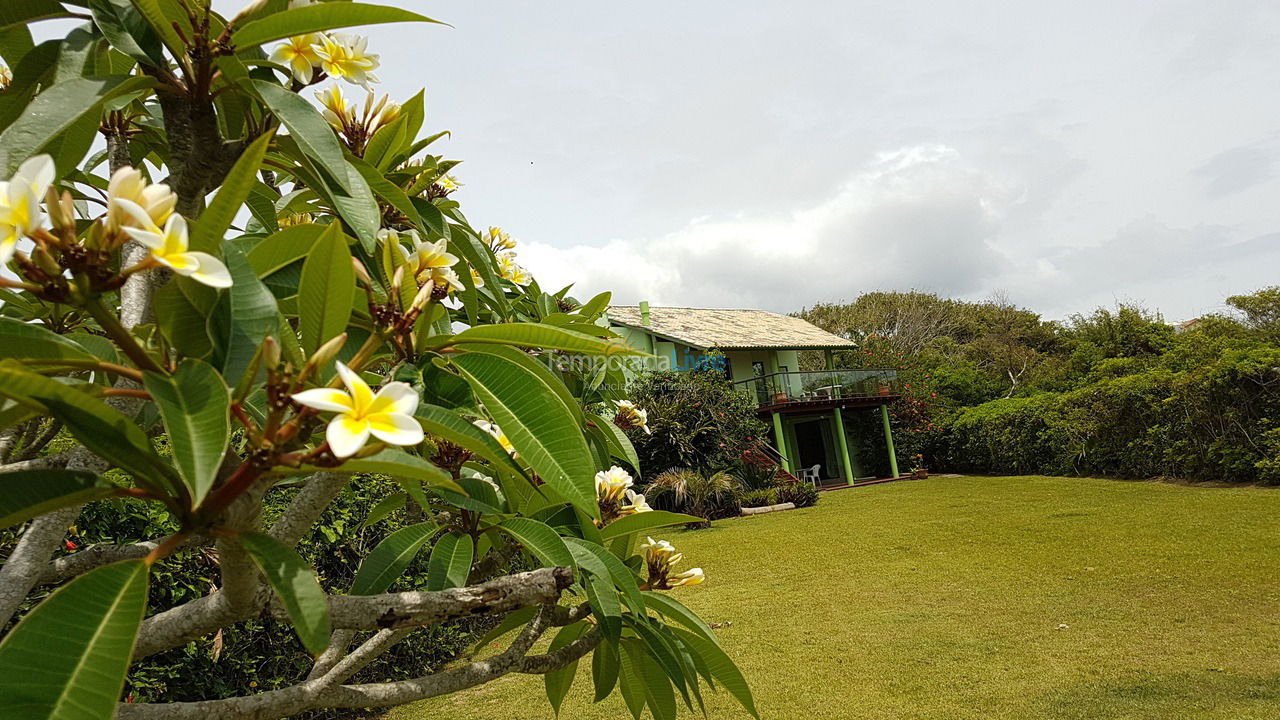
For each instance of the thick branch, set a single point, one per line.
(314, 694)
(96, 555)
(416, 609)
(307, 506)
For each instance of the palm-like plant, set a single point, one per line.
(710, 496)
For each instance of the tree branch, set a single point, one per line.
(94, 556)
(416, 608)
(307, 506)
(313, 694)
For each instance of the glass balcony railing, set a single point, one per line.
(817, 385)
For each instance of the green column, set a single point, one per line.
(888, 441)
(782, 441)
(843, 441)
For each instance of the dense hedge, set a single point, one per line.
(1218, 421)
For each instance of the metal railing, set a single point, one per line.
(817, 385)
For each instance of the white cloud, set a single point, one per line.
(916, 217)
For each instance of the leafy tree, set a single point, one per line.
(1260, 310)
(243, 295)
(696, 420)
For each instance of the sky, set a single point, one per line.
(779, 154)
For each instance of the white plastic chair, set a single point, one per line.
(810, 475)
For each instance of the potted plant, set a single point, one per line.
(918, 470)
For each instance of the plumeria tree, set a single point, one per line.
(232, 271)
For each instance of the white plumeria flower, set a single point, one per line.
(448, 182)
(157, 200)
(334, 107)
(20, 197)
(633, 416)
(635, 503)
(499, 239)
(657, 551)
(388, 415)
(298, 53)
(434, 264)
(476, 280)
(692, 576)
(346, 57)
(498, 435)
(6, 75)
(169, 247)
(612, 483)
(511, 270)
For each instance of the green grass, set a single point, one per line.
(943, 598)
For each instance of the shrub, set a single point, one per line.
(710, 497)
(696, 419)
(798, 493)
(759, 497)
(756, 475)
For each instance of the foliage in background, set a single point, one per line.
(697, 421)
(993, 388)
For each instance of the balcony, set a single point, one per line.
(816, 389)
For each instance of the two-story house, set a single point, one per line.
(759, 352)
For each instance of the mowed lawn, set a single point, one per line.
(980, 597)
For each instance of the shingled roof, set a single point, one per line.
(724, 328)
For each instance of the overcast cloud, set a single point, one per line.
(777, 154)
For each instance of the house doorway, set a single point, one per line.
(814, 445)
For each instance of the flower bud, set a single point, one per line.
(362, 273)
(271, 353)
(322, 356)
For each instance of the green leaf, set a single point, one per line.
(326, 290)
(162, 24)
(642, 522)
(621, 575)
(605, 606)
(630, 682)
(604, 669)
(558, 682)
(281, 249)
(181, 321)
(658, 693)
(400, 464)
(57, 109)
(296, 584)
(388, 560)
(480, 496)
(672, 609)
(214, 221)
(29, 11)
(307, 128)
(540, 540)
(526, 401)
(28, 493)
(450, 562)
(26, 341)
(68, 657)
(721, 667)
(620, 445)
(101, 428)
(384, 508)
(195, 405)
(127, 31)
(251, 316)
(449, 425)
(538, 335)
(319, 17)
